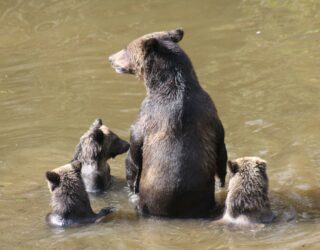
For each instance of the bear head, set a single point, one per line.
(248, 166)
(99, 143)
(132, 59)
(60, 178)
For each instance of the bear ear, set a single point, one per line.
(98, 136)
(262, 164)
(76, 166)
(176, 35)
(233, 167)
(54, 179)
(97, 123)
(149, 45)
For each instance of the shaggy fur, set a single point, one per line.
(177, 140)
(70, 202)
(96, 146)
(247, 200)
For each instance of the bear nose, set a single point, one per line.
(110, 59)
(126, 146)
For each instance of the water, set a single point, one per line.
(259, 61)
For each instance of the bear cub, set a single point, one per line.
(70, 202)
(96, 146)
(247, 200)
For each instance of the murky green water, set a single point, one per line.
(259, 60)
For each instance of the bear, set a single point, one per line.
(247, 201)
(96, 146)
(70, 202)
(177, 140)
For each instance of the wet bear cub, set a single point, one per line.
(247, 200)
(96, 146)
(70, 202)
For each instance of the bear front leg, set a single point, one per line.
(222, 163)
(221, 153)
(131, 173)
(134, 161)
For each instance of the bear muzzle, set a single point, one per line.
(120, 62)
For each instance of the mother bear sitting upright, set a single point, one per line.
(177, 141)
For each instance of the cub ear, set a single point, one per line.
(76, 166)
(233, 167)
(97, 123)
(151, 44)
(53, 178)
(262, 164)
(176, 35)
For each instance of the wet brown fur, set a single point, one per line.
(96, 146)
(177, 141)
(247, 200)
(70, 202)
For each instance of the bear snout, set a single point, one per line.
(123, 146)
(110, 60)
(126, 146)
(120, 147)
(121, 62)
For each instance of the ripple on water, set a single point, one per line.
(46, 26)
(55, 80)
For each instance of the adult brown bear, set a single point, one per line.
(177, 141)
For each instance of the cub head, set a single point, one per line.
(99, 143)
(249, 165)
(132, 59)
(60, 178)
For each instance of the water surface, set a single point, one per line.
(259, 61)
